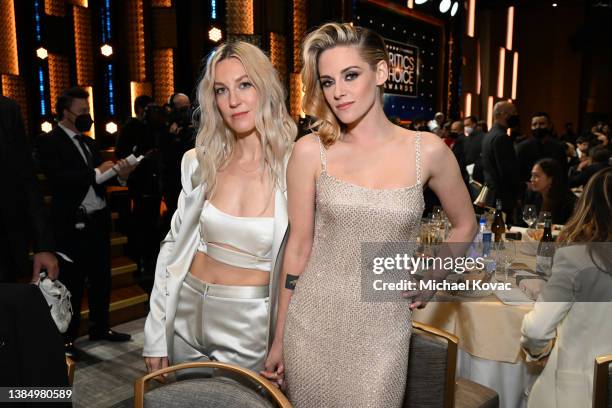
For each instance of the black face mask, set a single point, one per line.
(83, 122)
(539, 133)
(513, 121)
(453, 135)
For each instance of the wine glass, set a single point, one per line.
(530, 215)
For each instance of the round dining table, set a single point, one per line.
(489, 332)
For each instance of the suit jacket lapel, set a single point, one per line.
(69, 146)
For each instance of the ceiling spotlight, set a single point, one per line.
(42, 53)
(111, 127)
(454, 8)
(554, 4)
(420, 1)
(445, 5)
(214, 34)
(46, 127)
(106, 50)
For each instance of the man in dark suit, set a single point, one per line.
(499, 160)
(541, 145)
(473, 146)
(73, 165)
(30, 344)
(140, 137)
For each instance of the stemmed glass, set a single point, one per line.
(530, 215)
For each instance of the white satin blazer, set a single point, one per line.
(177, 251)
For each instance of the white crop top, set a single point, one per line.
(251, 236)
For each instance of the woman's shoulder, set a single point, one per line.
(189, 166)
(307, 146)
(190, 160)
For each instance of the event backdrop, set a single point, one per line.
(416, 53)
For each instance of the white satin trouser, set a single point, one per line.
(220, 322)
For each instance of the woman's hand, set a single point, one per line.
(274, 369)
(156, 363)
(418, 298)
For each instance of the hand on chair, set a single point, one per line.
(274, 367)
(156, 363)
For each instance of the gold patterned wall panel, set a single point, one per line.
(136, 41)
(8, 39)
(277, 55)
(299, 30)
(82, 3)
(137, 89)
(240, 18)
(161, 3)
(59, 76)
(163, 74)
(83, 46)
(55, 8)
(295, 99)
(14, 87)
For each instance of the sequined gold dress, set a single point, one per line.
(340, 351)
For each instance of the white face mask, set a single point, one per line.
(468, 130)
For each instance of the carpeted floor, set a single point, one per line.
(105, 375)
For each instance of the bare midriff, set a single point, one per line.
(212, 271)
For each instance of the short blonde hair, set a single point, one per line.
(372, 49)
(215, 141)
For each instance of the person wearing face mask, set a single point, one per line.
(541, 145)
(499, 159)
(73, 165)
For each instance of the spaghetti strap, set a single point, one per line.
(417, 154)
(323, 156)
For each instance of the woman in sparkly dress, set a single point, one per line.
(359, 178)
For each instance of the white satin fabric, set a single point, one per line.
(222, 323)
(251, 236)
(177, 251)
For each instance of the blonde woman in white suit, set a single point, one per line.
(215, 287)
(571, 322)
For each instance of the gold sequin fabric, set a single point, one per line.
(340, 351)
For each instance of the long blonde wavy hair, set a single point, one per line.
(215, 141)
(371, 47)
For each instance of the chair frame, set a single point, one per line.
(71, 366)
(600, 381)
(279, 398)
(451, 360)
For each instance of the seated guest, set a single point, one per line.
(582, 147)
(598, 159)
(571, 157)
(549, 192)
(575, 305)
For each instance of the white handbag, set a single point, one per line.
(58, 299)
